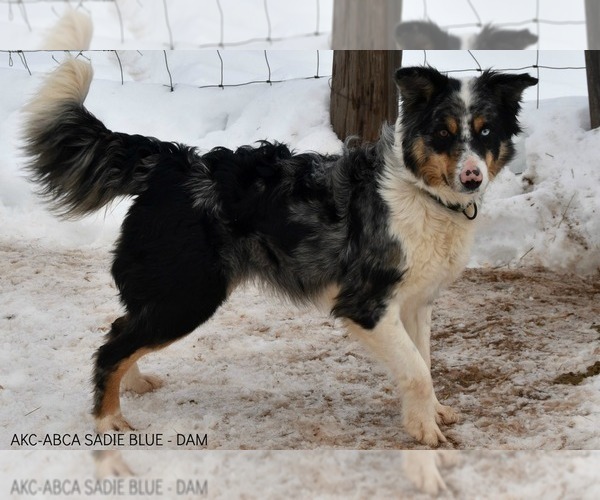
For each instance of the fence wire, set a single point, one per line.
(222, 42)
(264, 74)
(21, 56)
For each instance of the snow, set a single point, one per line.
(263, 375)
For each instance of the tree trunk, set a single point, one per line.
(363, 92)
(365, 24)
(592, 64)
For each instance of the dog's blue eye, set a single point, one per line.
(485, 132)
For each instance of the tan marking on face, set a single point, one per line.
(478, 124)
(494, 165)
(436, 169)
(419, 151)
(452, 125)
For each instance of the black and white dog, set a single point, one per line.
(426, 35)
(375, 232)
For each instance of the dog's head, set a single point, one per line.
(456, 135)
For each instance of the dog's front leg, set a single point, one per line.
(390, 342)
(417, 321)
(418, 324)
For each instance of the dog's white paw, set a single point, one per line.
(142, 384)
(420, 421)
(420, 468)
(138, 382)
(445, 414)
(111, 423)
(427, 432)
(419, 409)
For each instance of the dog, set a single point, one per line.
(375, 231)
(426, 35)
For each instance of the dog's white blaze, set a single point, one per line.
(466, 97)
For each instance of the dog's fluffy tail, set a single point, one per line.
(80, 164)
(73, 31)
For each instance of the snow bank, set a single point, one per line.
(548, 215)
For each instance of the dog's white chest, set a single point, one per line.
(436, 245)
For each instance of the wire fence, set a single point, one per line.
(263, 73)
(265, 15)
(258, 66)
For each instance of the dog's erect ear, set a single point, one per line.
(507, 87)
(491, 38)
(418, 84)
(422, 35)
(506, 90)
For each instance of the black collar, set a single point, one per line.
(457, 207)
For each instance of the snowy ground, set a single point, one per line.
(515, 348)
(261, 374)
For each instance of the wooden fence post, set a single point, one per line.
(363, 92)
(592, 65)
(365, 24)
(592, 21)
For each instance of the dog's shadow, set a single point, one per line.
(426, 35)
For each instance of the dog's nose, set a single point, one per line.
(471, 178)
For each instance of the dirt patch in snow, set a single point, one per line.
(518, 336)
(263, 374)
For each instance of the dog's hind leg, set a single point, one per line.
(113, 360)
(150, 329)
(139, 382)
(391, 343)
(134, 380)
